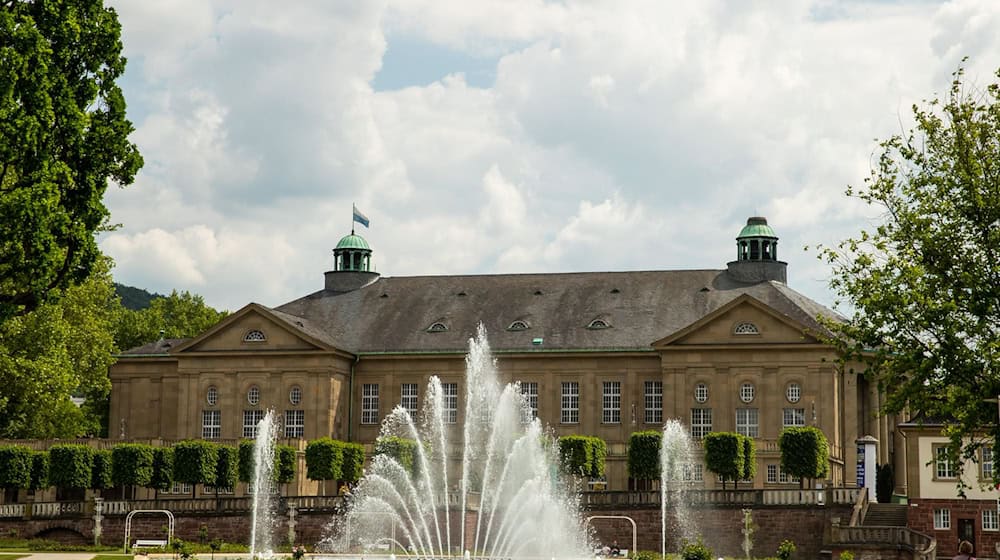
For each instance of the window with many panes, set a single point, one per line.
(450, 393)
(211, 424)
(530, 391)
(785, 478)
(701, 392)
(250, 420)
(986, 463)
(793, 417)
(653, 399)
(408, 398)
(611, 402)
(747, 421)
(693, 472)
(990, 521)
(701, 422)
(747, 392)
(369, 403)
(776, 474)
(253, 395)
(942, 518)
(793, 392)
(772, 473)
(943, 467)
(178, 488)
(295, 423)
(569, 408)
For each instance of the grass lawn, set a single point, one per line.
(11, 555)
(108, 557)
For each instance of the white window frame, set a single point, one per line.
(212, 395)
(611, 402)
(179, 488)
(942, 519)
(772, 473)
(449, 392)
(701, 392)
(251, 417)
(409, 394)
(653, 401)
(253, 395)
(701, 422)
(295, 423)
(295, 395)
(793, 392)
(748, 422)
(747, 392)
(569, 404)
(529, 389)
(211, 424)
(793, 417)
(986, 464)
(785, 478)
(991, 519)
(943, 467)
(369, 403)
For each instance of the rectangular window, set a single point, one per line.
(942, 519)
(793, 417)
(450, 393)
(369, 403)
(295, 423)
(212, 490)
(786, 478)
(211, 424)
(693, 473)
(987, 463)
(530, 391)
(701, 422)
(250, 420)
(570, 405)
(408, 398)
(772, 474)
(654, 402)
(746, 421)
(942, 463)
(990, 521)
(612, 402)
(179, 488)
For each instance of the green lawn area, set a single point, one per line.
(11, 555)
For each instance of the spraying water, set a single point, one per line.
(263, 516)
(677, 468)
(494, 493)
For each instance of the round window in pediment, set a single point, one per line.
(255, 335)
(746, 327)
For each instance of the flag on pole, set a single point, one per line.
(360, 218)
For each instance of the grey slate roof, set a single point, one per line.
(161, 346)
(394, 313)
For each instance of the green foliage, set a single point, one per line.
(284, 464)
(645, 555)
(644, 455)
(352, 466)
(179, 315)
(403, 450)
(15, 466)
(804, 452)
(39, 470)
(923, 283)
(724, 454)
(163, 468)
(135, 298)
(785, 550)
(194, 462)
(59, 350)
(846, 555)
(132, 464)
(247, 462)
(749, 459)
(100, 472)
(582, 455)
(696, 551)
(884, 483)
(324, 459)
(70, 465)
(226, 467)
(63, 137)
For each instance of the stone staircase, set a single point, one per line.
(885, 515)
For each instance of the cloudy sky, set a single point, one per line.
(500, 136)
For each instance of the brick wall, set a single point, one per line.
(921, 518)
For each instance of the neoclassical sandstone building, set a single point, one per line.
(597, 353)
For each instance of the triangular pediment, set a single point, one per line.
(744, 320)
(256, 328)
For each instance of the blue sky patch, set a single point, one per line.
(410, 62)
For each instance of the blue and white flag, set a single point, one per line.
(360, 218)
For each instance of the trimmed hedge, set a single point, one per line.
(100, 472)
(352, 466)
(324, 459)
(403, 450)
(246, 460)
(582, 455)
(70, 465)
(749, 458)
(194, 461)
(804, 452)
(15, 466)
(39, 470)
(644, 455)
(132, 464)
(724, 454)
(226, 467)
(284, 464)
(163, 469)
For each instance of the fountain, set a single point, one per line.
(503, 499)
(677, 467)
(263, 513)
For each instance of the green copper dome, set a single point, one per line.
(352, 241)
(756, 227)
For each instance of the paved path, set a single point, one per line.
(62, 555)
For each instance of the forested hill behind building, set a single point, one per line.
(135, 298)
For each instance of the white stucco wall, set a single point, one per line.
(931, 487)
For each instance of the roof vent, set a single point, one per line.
(461, 294)
(537, 341)
(538, 292)
(615, 291)
(705, 289)
(384, 295)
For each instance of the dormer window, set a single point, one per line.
(598, 324)
(437, 327)
(254, 336)
(746, 327)
(518, 326)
